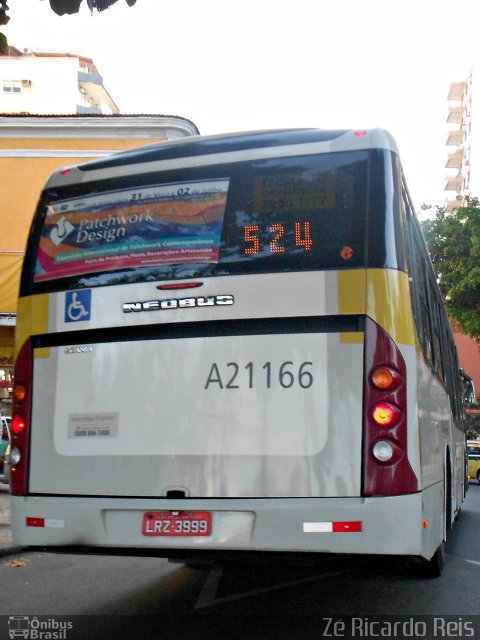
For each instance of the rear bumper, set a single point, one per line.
(391, 525)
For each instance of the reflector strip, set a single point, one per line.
(35, 522)
(53, 523)
(353, 527)
(332, 527)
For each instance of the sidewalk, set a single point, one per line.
(6, 544)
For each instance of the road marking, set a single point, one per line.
(207, 597)
(471, 561)
(463, 559)
(209, 589)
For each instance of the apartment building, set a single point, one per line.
(52, 83)
(463, 181)
(463, 141)
(54, 111)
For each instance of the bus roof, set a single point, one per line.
(228, 147)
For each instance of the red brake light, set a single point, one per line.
(18, 424)
(386, 415)
(179, 285)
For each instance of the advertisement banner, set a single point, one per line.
(162, 224)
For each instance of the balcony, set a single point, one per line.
(455, 160)
(454, 183)
(455, 138)
(92, 90)
(450, 205)
(457, 90)
(456, 114)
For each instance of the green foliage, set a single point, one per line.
(3, 43)
(70, 7)
(3, 13)
(472, 423)
(454, 243)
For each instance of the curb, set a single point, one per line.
(10, 551)
(7, 547)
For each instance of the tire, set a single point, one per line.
(448, 500)
(418, 567)
(414, 567)
(433, 568)
(478, 476)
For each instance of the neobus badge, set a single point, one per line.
(178, 303)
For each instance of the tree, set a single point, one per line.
(3, 20)
(472, 425)
(3, 12)
(69, 7)
(60, 7)
(454, 243)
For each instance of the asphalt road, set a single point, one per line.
(105, 596)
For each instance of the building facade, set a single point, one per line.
(463, 181)
(54, 112)
(52, 83)
(463, 141)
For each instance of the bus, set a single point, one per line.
(235, 346)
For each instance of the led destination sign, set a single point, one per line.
(278, 239)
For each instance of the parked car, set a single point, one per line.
(473, 452)
(5, 450)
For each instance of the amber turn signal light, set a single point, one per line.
(385, 378)
(19, 392)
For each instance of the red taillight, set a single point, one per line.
(386, 467)
(385, 414)
(20, 422)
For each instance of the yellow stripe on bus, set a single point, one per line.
(383, 295)
(351, 300)
(35, 310)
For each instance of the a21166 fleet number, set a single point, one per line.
(233, 375)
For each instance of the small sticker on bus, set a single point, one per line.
(78, 305)
(93, 425)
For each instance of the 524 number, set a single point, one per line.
(252, 233)
(233, 375)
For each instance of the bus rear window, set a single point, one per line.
(282, 214)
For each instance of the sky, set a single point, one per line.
(266, 64)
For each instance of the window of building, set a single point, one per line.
(11, 86)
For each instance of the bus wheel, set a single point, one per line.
(414, 567)
(433, 568)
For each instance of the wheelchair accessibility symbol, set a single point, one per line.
(78, 305)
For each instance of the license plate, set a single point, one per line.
(177, 523)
